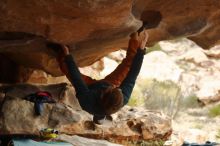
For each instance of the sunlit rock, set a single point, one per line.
(67, 117)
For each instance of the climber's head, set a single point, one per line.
(112, 100)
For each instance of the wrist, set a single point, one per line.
(143, 51)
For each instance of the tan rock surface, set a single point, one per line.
(68, 118)
(95, 28)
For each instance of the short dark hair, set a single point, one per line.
(112, 100)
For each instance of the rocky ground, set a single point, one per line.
(195, 125)
(66, 116)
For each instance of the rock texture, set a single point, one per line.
(95, 28)
(195, 70)
(88, 26)
(67, 117)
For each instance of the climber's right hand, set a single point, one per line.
(143, 38)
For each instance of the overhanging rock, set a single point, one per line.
(94, 28)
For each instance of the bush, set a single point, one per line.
(163, 95)
(136, 97)
(198, 126)
(156, 47)
(214, 111)
(190, 102)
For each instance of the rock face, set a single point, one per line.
(94, 28)
(197, 70)
(67, 117)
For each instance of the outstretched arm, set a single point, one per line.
(73, 72)
(118, 75)
(129, 82)
(88, 80)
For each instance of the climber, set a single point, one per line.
(105, 97)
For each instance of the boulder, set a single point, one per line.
(92, 29)
(192, 68)
(66, 116)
